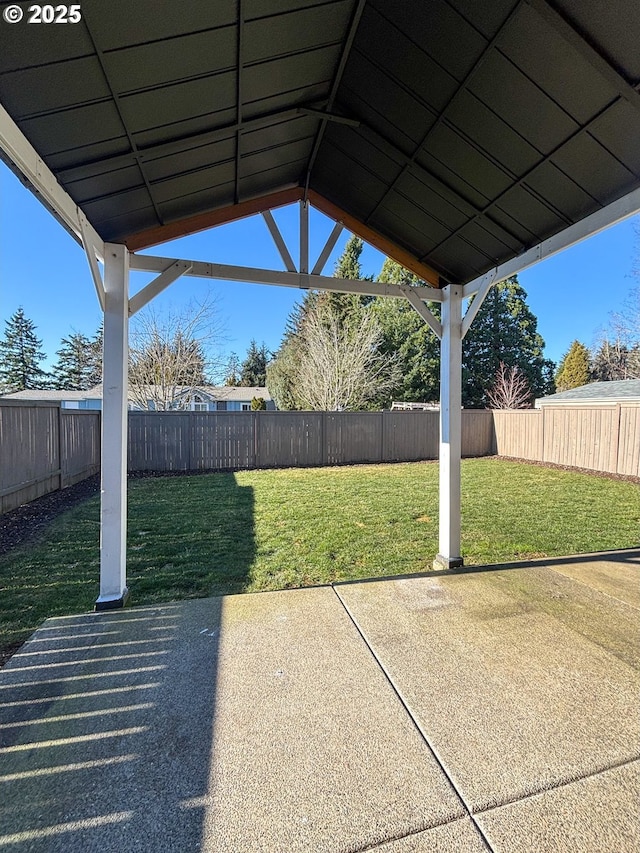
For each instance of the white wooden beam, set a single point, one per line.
(423, 310)
(142, 297)
(449, 555)
(323, 257)
(42, 181)
(613, 213)
(252, 275)
(278, 239)
(113, 508)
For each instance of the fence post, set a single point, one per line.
(60, 447)
(189, 438)
(256, 441)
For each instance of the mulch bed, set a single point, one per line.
(25, 523)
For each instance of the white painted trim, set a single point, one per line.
(610, 215)
(113, 508)
(144, 296)
(252, 275)
(32, 167)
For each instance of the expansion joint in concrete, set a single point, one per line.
(436, 757)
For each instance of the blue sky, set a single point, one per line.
(45, 271)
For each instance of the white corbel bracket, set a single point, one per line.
(160, 283)
(423, 310)
(92, 252)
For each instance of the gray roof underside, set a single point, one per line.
(483, 127)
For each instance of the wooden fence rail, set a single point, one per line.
(192, 441)
(599, 438)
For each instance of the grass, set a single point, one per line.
(264, 530)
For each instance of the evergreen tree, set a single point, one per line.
(573, 370)
(94, 374)
(20, 355)
(504, 331)
(75, 367)
(409, 339)
(253, 372)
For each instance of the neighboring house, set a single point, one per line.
(91, 399)
(209, 398)
(626, 392)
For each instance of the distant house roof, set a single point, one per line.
(214, 392)
(49, 396)
(626, 391)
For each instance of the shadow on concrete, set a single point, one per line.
(89, 708)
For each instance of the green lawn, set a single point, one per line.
(262, 530)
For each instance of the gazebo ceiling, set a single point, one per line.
(460, 132)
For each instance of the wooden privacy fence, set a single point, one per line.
(192, 441)
(43, 448)
(600, 438)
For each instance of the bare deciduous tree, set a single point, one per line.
(510, 389)
(616, 354)
(340, 366)
(172, 355)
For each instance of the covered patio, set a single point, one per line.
(467, 141)
(468, 710)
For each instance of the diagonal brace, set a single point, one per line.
(423, 310)
(485, 286)
(323, 257)
(171, 274)
(91, 253)
(278, 239)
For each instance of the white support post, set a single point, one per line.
(113, 513)
(450, 429)
(304, 237)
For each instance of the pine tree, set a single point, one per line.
(21, 354)
(573, 370)
(253, 372)
(74, 369)
(504, 331)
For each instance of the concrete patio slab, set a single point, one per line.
(520, 680)
(484, 710)
(600, 814)
(615, 573)
(245, 723)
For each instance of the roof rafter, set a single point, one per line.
(346, 50)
